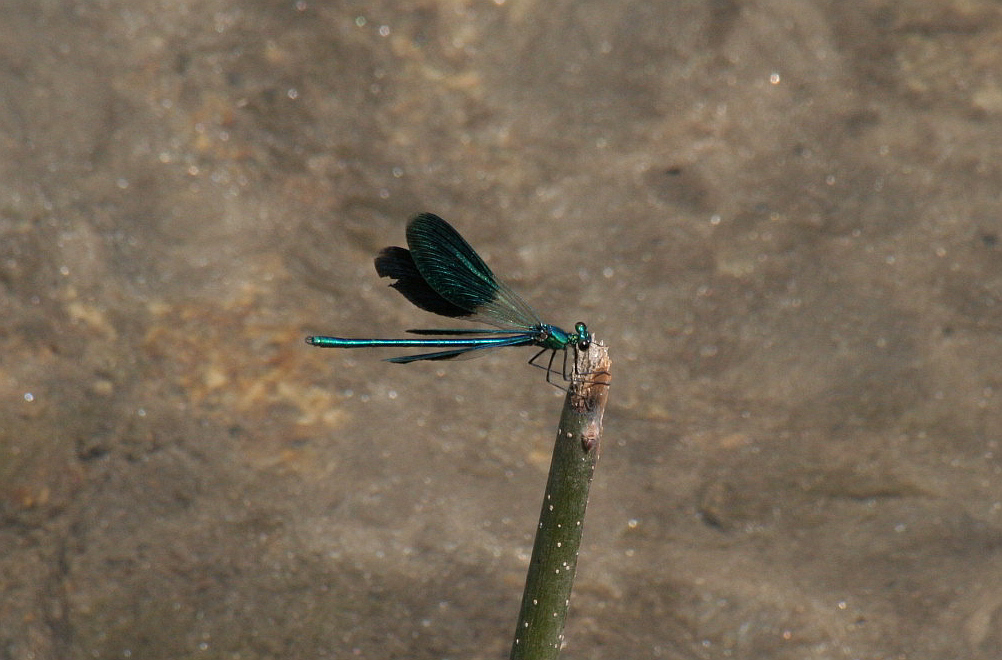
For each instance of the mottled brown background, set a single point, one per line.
(783, 217)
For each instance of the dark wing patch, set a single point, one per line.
(397, 264)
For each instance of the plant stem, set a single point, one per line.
(540, 629)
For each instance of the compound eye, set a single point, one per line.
(584, 337)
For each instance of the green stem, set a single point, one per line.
(540, 629)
